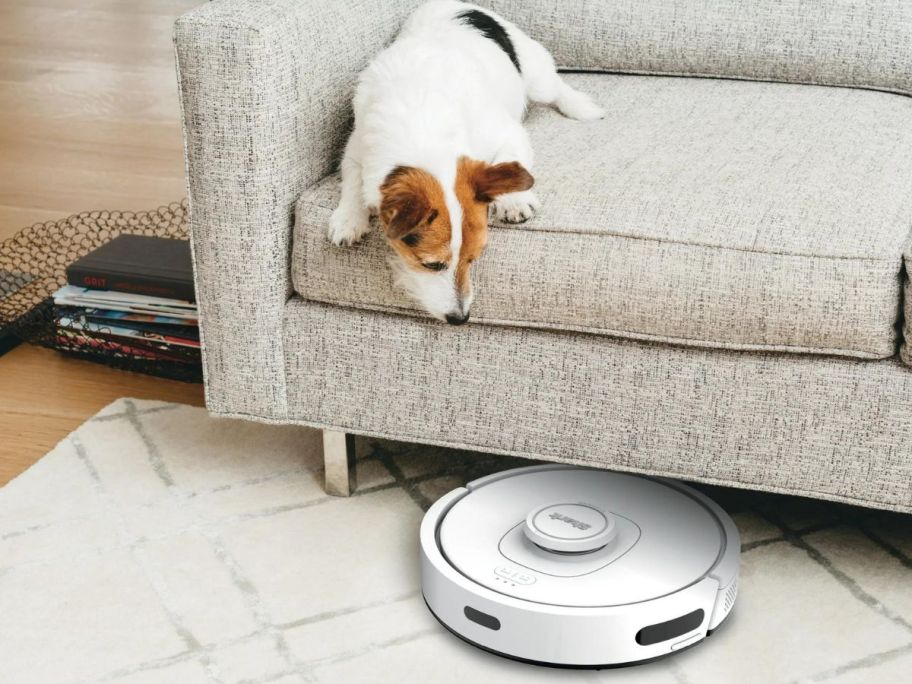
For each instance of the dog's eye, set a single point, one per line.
(411, 239)
(434, 265)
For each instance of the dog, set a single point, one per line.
(438, 137)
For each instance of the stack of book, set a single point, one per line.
(131, 298)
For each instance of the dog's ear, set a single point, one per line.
(405, 203)
(493, 180)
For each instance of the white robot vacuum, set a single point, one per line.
(574, 567)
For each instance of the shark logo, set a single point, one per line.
(578, 524)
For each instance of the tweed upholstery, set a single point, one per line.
(725, 214)
(809, 425)
(261, 122)
(831, 42)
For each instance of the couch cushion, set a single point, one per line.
(831, 42)
(705, 212)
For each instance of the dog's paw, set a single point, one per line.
(516, 207)
(347, 226)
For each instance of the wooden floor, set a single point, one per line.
(89, 119)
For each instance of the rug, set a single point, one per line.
(157, 544)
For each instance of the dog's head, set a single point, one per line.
(437, 232)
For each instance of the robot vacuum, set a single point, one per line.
(574, 567)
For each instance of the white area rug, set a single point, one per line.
(156, 544)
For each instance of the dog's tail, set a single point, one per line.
(576, 105)
(545, 85)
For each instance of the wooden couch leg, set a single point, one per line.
(339, 462)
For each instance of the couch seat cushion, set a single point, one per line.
(706, 212)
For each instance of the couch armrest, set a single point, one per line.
(265, 88)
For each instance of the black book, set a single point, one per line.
(139, 264)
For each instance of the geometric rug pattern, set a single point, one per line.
(158, 544)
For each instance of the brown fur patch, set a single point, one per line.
(493, 180)
(477, 185)
(474, 220)
(414, 215)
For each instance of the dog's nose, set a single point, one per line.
(455, 319)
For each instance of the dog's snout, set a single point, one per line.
(457, 319)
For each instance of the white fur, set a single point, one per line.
(439, 92)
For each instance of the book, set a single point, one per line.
(138, 264)
(70, 295)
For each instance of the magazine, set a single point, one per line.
(69, 340)
(177, 327)
(79, 323)
(70, 295)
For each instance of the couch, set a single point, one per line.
(712, 291)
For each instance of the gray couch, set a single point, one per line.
(712, 291)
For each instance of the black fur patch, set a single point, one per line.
(489, 28)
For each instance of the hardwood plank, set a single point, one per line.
(76, 389)
(107, 137)
(44, 396)
(14, 219)
(70, 190)
(137, 8)
(29, 438)
(73, 97)
(162, 160)
(84, 32)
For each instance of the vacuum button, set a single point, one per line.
(570, 528)
(515, 576)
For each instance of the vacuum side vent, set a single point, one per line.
(731, 595)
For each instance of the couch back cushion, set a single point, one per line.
(860, 43)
